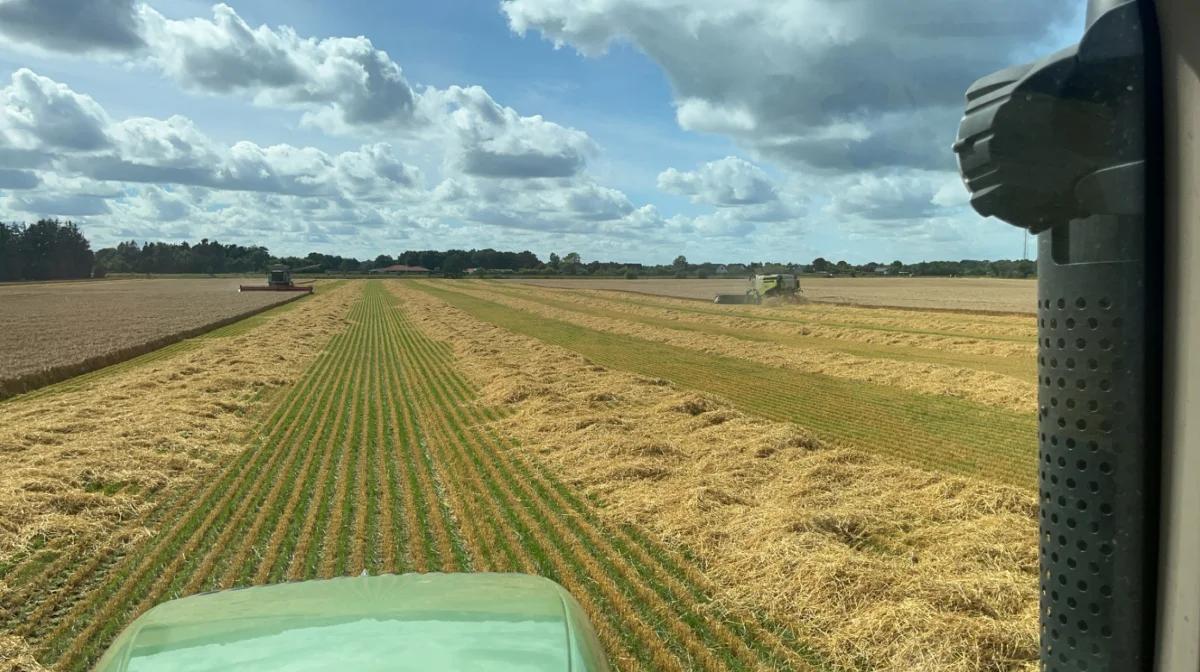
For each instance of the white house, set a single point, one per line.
(721, 269)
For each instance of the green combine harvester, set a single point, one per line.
(409, 622)
(782, 286)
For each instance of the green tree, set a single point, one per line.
(702, 274)
(555, 260)
(680, 263)
(453, 266)
(820, 265)
(572, 263)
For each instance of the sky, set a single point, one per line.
(626, 130)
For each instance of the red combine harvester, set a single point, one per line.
(279, 279)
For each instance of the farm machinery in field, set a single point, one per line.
(782, 286)
(279, 279)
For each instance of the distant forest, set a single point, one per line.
(53, 250)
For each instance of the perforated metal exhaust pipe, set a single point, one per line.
(1057, 147)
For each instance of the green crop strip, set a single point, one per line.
(904, 353)
(578, 536)
(930, 431)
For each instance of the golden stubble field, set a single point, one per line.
(53, 331)
(976, 294)
(886, 566)
(722, 487)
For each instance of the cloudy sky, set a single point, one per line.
(630, 130)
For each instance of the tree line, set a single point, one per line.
(50, 249)
(45, 250)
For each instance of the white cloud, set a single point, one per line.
(344, 83)
(347, 86)
(39, 114)
(495, 141)
(73, 26)
(833, 84)
(115, 179)
(728, 182)
(893, 196)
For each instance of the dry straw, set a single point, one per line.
(88, 458)
(881, 566)
(818, 320)
(984, 387)
(60, 330)
(16, 656)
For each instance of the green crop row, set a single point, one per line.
(661, 622)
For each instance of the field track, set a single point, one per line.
(379, 459)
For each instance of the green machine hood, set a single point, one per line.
(493, 622)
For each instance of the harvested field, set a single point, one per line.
(946, 377)
(720, 491)
(877, 565)
(379, 458)
(966, 294)
(54, 331)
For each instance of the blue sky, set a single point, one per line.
(622, 129)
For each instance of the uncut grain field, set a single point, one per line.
(721, 487)
(53, 331)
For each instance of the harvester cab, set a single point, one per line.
(279, 276)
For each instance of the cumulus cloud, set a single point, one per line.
(490, 140)
(37, 113)
(347, 86)
(345, 83)
(77, 137)
(67, 205)
(546, 205)
(341, 85)
(833, 84)
(73, 26)
(894, 196)
(134, 174)
(728, 182)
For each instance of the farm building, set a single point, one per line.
(401, 270)
(722, 269)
